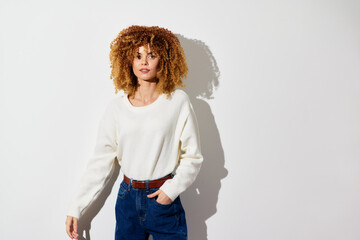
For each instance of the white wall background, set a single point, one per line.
(279, 114)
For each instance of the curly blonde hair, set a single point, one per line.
(163, 43)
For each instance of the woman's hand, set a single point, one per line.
(71, 227)
(162, 198)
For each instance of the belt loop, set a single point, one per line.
(130, 183)
(147, 185)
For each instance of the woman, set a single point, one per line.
(151, 131)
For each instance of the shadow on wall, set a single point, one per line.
(201, 198)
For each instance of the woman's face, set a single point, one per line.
(145, 65)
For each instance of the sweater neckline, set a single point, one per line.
(139, 108)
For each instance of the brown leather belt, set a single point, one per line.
(152, 183)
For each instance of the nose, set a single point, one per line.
(144, 61)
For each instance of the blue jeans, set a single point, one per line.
(138, 216)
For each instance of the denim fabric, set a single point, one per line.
(138, 216)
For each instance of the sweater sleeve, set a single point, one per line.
(190, 159)
(99, 167)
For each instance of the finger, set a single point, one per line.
(75, 224)
(68, 231)
(74, 233)
(154, 194)
(68, 227)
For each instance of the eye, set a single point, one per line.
(138, 57)
(152, 56)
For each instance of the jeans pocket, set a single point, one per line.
(123, 190)
(160, 204)
(153, 199)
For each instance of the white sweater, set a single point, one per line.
(149, 142)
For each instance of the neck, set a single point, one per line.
(146, 90)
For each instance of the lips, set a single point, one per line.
(144, 70)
